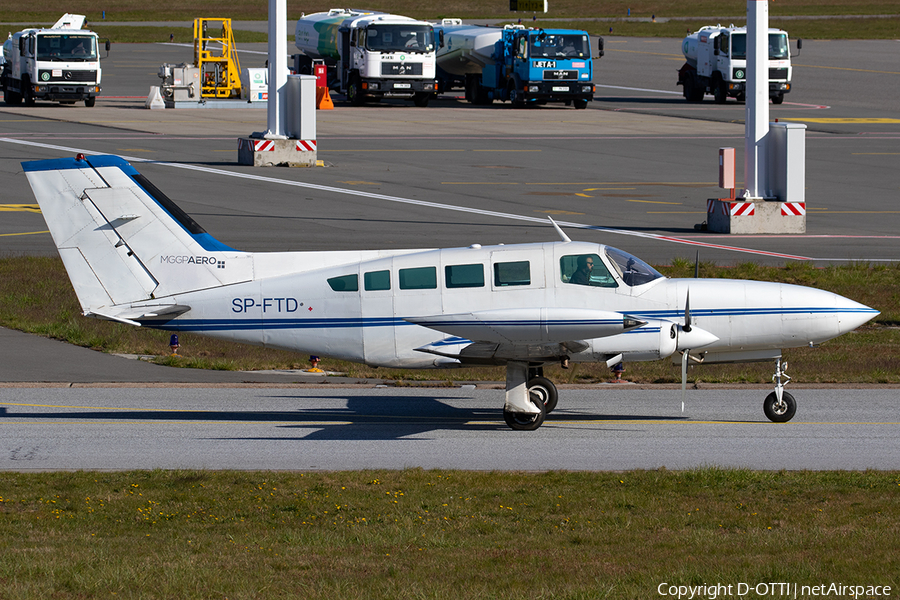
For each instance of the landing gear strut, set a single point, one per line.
(779, 405)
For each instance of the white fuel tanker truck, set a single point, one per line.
(60, 64)
(369, 55)
(717, 64)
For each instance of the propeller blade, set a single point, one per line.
(697, 266)
(684, 361)
(687, 312)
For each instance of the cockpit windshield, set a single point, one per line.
(545, 45)
(66, 47)
(400, 38)
(632, 270)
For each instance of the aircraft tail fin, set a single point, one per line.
(121, 239)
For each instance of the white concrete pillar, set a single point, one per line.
(277, 69)
(757, 106)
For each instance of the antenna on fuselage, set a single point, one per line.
(562, 235)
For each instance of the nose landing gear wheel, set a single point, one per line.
(780, 412)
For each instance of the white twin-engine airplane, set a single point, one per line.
(133, 256)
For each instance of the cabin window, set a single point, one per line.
(512, 273)
(377, 280)
(419, 278)
(464, 276)
(585, 269)
(345, 283)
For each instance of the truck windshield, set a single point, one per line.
(66, 47)
(778, 46)
(400, 38)
(570, 45)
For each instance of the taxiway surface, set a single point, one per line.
(603, 428)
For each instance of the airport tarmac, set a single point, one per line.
(633, 170)
(612, 427)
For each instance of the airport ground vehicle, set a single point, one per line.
(716, 63)
(515, 64)
(370, 55)
(61, 63)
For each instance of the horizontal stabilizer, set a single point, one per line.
(530, 325)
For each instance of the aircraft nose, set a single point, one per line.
(818, 315)
(852, 314)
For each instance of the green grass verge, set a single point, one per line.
(441, 534)
(36, 297)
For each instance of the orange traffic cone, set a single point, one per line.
(323, 99)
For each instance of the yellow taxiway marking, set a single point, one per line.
(608, 189)
(20, 208)
(584, 195)
(654, 202)
(858, 121)
(24, 233)
(848, 69)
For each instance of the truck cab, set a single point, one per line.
(544, 65)
(58, 64)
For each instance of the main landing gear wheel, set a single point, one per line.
(542, 390)
(524, 421)
(780, 412)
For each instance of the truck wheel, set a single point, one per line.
(27, 92)
(354, 93)
(719, 92)
(515, 97)
(778, 98)
(89, 102)
(580, 104)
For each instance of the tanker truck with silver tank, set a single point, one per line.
(716, 63)
(60, 64)
(369, 55)
(515, 64)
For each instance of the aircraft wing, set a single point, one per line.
(530, 325)
(459, 351)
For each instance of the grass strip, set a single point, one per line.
(440, 534)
